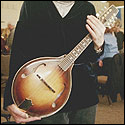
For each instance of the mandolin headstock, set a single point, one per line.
(108, 17)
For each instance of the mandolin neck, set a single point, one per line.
(75, 53)
(107, 18)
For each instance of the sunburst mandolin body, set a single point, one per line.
(41, 87)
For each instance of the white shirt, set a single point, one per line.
(63, 7)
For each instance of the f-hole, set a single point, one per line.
(33, 71)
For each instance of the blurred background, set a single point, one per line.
(110, 110)
(10, 10)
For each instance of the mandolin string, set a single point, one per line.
(38, 88)
(61, 73)
(63, 63)
(51, 76)
(66, 61)
(57, 68)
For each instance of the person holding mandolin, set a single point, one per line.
(53, 29)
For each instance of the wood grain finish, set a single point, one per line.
(27, 85)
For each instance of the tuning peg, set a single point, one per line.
(110, 20)
(112, 17)
(107, 12)
(97, 14)
(112, 24)
(115, 18)
(109, 27)
(110, 10)
(105, 8)
(107, 24)
(105, 15)
(114, 14)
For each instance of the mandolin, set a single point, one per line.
(42, 86)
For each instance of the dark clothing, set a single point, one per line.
(105, 69)
(117, 76)
(10, 39)
(42, 32)
(84, 116)
(3, 43)
(114, 69)
(120, 39)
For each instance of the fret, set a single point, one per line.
(78, 49)
(80, 44)
(72, 54)
(84, 44)
(88, 38)
(75, 53)
(66, 60)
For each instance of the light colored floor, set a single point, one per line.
(113, 114)
(105, 114)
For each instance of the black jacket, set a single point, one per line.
(117, 76)
(42, 32)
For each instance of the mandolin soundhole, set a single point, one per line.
(23, 76)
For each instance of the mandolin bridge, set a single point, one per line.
(45, 83)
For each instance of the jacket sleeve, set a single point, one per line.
(17, 58)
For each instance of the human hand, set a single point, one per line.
(20, 116)
(7, 48)
(100, 63)
(96, 30)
